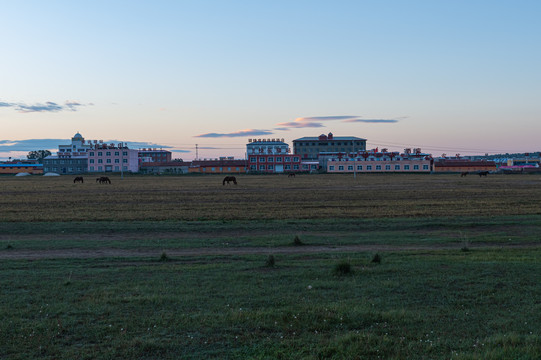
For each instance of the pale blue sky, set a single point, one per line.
(447, 76)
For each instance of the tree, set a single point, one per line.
(38, 155)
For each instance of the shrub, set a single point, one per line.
(270, 261)
(164, 257)
(9, 247)
(376, 259)
(297, 241)
(343, 268)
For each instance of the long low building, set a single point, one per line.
(374, 161)
(17, 168)
(463, 165)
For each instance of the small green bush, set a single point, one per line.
(343, 268)
(164, 257)
(270, 261)
(376, 259)
(297, 241)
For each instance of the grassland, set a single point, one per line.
(177, 267)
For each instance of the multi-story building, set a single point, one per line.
(271, 156)
(113, 158)
(70, 159)
(374, 161)
(155, 155)
(309, 148)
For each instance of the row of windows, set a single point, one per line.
(346, 143)
(100, 168)
(108, 153)
(83, 162)
(278, 159)
(378, 167)
(108, 161)
(221, 169)
(271, 167)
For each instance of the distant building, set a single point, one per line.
(463, 165)
(375, 161)
(271, 156)
(154, 155)
(309, 148)
(70, 159)
(16, 168)
(113, 158)
(171, 167)
(218, 166)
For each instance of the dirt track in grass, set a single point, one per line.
(14, 254)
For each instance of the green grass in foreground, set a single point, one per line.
(480, 304)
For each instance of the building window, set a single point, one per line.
(406, 167)
(92, 161)
(100, 161)
(91, 153)
(340, 167)
(253, 159)
(262, 159)
(107, 153)
(108, 161)
(278, 159)
(287, 167)
(117, 153)
(350, 167)
(369, 167)
(425, 167)
(387, 167)
(117, 161)
(261, 167)
(270, 167)
(125, 161)
(100, 153)
(253, 167)
(415, 167)
(287, 159)
(331, 167)
(397, 167)
(295, 159)
(124, 153)
(378, 167)
(270, 159)
(359, 167)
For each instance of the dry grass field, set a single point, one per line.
(153, 267)
(137, 198)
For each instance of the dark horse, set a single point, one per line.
(78, 179)
(227, 179)
(103, 180)
(483, 173)
(464, 174)
(291, 175)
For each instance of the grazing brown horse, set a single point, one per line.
(291, 175)
(464, 174)
(78, 179)
(483, 173)
(103, 180)
(227, 179)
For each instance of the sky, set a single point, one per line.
(459, 76)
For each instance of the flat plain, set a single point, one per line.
(152, 267)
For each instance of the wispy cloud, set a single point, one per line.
(240, 133)
(48, 106)
(316, 121)
(387, 121)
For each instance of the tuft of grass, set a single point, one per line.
(270, 261)
(343, 268)
(465, 243)
(9, 247)
(376, 259)
(164, 257)
(297, 241)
